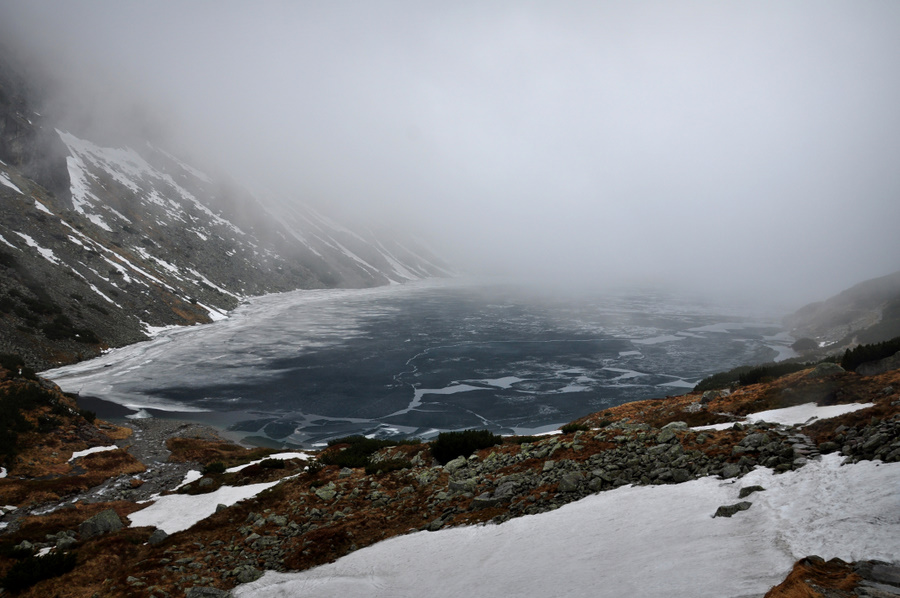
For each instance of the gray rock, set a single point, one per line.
(205, 483)
(157, 537)
(456, 464)
(101, 523)
(828, 447)
(326, 493)
(246, 573)
(755, 440)
(710, 395)
(25, 545)
(680, 475)
(279, 520)
(483, 501)
(345, 472)
(675, 426)
(206, 592)
(729, 510)
(731, 470)
(745, 492)
(667, 435)
(569, 482)
(65, 543)
(464, 485)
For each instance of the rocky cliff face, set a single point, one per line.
(100, 243)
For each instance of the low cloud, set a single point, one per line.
(750, 148)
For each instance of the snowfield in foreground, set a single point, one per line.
(633, 541)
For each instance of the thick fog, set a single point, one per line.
(743, 147)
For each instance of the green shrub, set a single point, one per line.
(573, 427)
(450, 445)
(359, 451)
(722, 379)
(47, 423)
(15, 364)
(766, 373)
(272, 463)
(857, 356)
(27, 572)
(521, 439)
(214, 467)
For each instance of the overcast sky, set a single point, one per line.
(711, 143)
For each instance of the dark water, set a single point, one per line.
(303, 367)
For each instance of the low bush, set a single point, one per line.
(521, 439)
(15, 364)
(857, 356)
(766, 373)
(450, 445)
(27, 572)
(574, 427)
(213, 468)
(359, 451)
(272, 464)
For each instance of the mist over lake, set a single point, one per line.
(300, 368)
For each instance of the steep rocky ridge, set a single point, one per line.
(99, 243)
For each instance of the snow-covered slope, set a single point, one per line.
(100, 242)
(633, 541)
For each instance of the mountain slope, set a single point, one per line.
(98, 244)
(868, 312)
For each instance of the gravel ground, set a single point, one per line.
(148, 445)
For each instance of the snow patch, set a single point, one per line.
(648, 541)
(96, 449)
(4, 241)
(47, 254)
(5, 181)
(280, 456)
(793, 416)
(177, 512)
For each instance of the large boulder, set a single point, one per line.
(103, 522)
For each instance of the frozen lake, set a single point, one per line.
(299, 368)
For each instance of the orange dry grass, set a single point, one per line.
(833, 575)
(210, 451)
(99, 466)
(113, 431)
